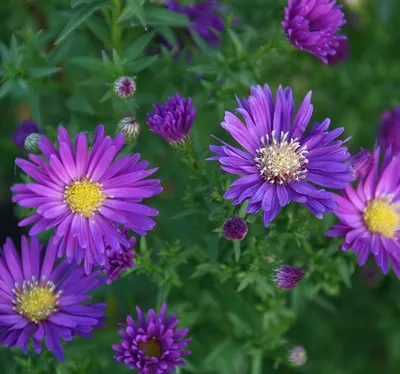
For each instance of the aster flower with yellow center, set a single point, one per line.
(86, 195)
(43, 300)
(370, 214)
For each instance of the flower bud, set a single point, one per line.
(297, 356)
(124, 87)
(235, 228)
(287, 277)
(31, 143)
(130, 128)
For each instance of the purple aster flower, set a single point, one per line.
(370, 215)
(279, 161)
(389, 134)
(124, 87)
(173, 119)
(84, 195)
(119, 261)
(234, 228)
(26, 128)
(153, 344)
(297, 356)
(40, 299)
(361, 163)
(313, 25)
(287, 277)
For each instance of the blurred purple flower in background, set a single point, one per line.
(24, 129)
(389, 132)
(361, 163)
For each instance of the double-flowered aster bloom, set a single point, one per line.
(42, 300)
(279, 162)
(152, 345)
(313, 25)
(370, 214)
(85, 194)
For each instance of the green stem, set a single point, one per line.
(116, 31)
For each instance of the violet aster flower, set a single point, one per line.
(84, 195)
(119, 261)
(297, 356)
(313, 25)
(361, 163)
(389, 134)
(173, 119)
(42, 300)
(124, 87)
(153, 344)
(25, 129)
(287, 277)
(279, 162)
(370, 215)
(234, 228)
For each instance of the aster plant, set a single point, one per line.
(287, 277)
(279, 162)
(42, 300)
(85, 196)
(369, 215)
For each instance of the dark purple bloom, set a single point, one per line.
(313, 25)
(173, 119)
(279, 161)
(84, 195)
(389, 134)
(25, 128)
(40, 299)
(153, 344)
(235, 228)
(297, 356)
(361, 163)
(370, 215)
(124, 87)
(120, 261)
(287, 277)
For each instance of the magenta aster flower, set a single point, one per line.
(287, 277)
(361, 163)
(153, 344)
(25, 128)
(389, 134)
(42, 300)
(279, 161)
(313, 25)
(297, 356)
(84, 195)
(173, 119)
(370, 215)
(235, 228)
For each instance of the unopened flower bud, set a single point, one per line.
(287, 277)
(297, 356)
(235, 228)
(31, 143)
(130, 128)
(124, 87)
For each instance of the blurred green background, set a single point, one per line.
(347, 328)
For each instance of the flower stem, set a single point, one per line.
(115, 27)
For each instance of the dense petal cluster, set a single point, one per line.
(287, 277)
(279, 160)
(85, 196)
(24, 129)
(124, 87)
(40, 299)
(153, 344)
(235, 228)
(361, 163)
(313, 25)
(370, 215)
(389, 134)
(173, 119)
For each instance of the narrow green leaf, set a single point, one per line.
(143, 244)
(33, 98)
(77, 3)
(236, 250)
(79, 103)
(161, 16)
(58, 53)
(133, 8)
(117, 61)
(3, 51)
(5, 88)
(256, 363)
(90, 63)
(108, 95)
(236, 42)
(134, 50)
(77, 19)
(139, 65)
(99, 30)
(242, 211)
(42, 72)
(203, 46)
(106, 61)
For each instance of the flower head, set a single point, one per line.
(40, 299)
(370, 215)
(389, 134)
(152, 344)
(297, 356)
(313, 25)
(287, 277)
(279, 161)
(173, 119)
(85, 195)
(24, 129)
(124, 87)
(120, 261)
(130, 128)
(235, 228)
(361, 163)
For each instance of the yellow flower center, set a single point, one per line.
(35, 301)
(381, 217)
(84, 197)
(151, 348)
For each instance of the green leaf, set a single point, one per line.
(134, 50)
(107, 96)
(90, 63)
(236, 42)
(77, 3)
(6, 88)
(42, 72)
(117, 62)
(99, 30)
(3, 51)
(139, 65)
(79, 103)
(33, 98)
(77, 19)
(236, 250)
(58, 53)
(242, 211)
(133, 8)
(256, 363)
(161, 16)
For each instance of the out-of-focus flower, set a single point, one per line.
(24, 129)
(235, 228)
(297, 356)
(279, 161)
(361, 163)
(389, 132)
(287, 277)
(124, 87)
(313, 26)
(130, 128)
